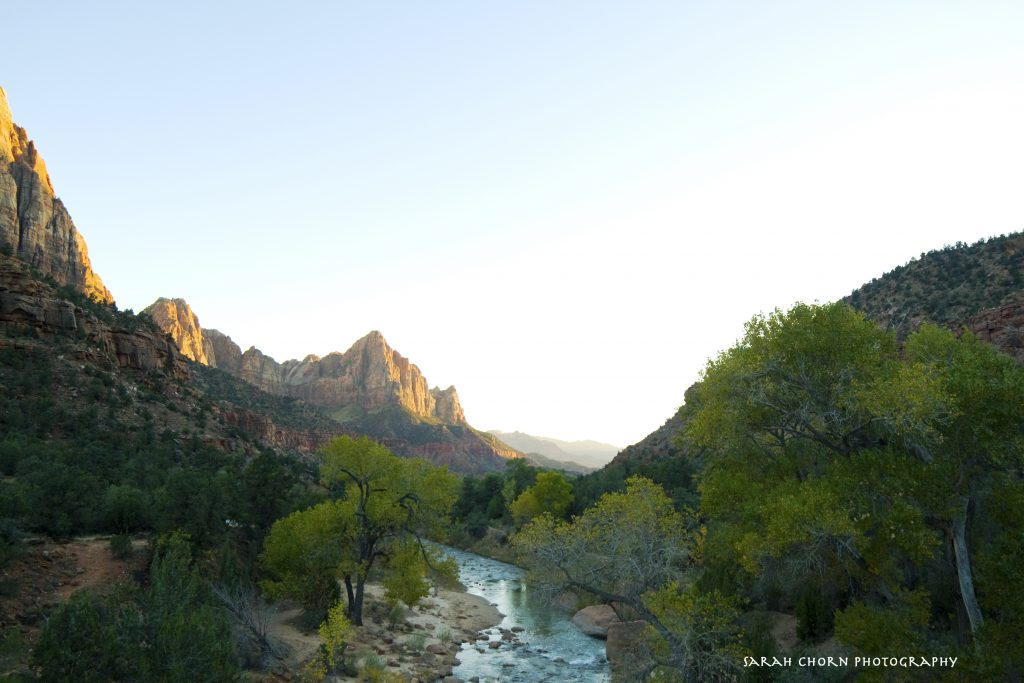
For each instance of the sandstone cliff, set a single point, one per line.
(369, 376)
(369, 389)
(34, 225)
(176, 319)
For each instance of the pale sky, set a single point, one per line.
(562, 208)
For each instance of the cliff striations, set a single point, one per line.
(369, 389)
(34, 225)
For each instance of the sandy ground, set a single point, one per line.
(420, 647)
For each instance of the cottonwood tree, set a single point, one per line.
(386, 504)
(832, 458)
(982, 441)
(632, 550)
(303, 554)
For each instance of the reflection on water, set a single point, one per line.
(548, 648)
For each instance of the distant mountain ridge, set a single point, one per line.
(369, 389)
(588, 453)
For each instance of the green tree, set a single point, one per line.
(631, 550)
(982, 441)
(303, 554)
(831, 459)
(395, 500)
(172, 632)
(125, 508)
(817, 441)
(387, 502)
(187, 634)
(551, 494)
(80, 642)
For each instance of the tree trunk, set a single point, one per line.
(965, 578)
(351, 596)
(356, 608)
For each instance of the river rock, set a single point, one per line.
(594, 620)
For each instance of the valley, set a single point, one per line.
(840, 485)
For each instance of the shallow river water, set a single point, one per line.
(549, 647)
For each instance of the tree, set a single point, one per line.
(387, 502)
(79, 642)
(550, 494)
(817, 439)
(172, 632)
(304, 552)
(630, 550)
(836, 462)
(981, 439)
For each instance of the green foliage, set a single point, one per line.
(635, 549)
(171, 632)
(704, 625)
(125, 508)
(480, 502)
(898, 627)
(814, 616)
(303, 553)
(386, 503)
(674, 474)
(335, 632)
(839, 474)
(406, 576)
(80, 643)
(946, 286)
(186, 630)
(121, 546)
(551, 495)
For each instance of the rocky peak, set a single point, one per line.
(176, 318)
(447, 406)
(34, 225)
(369, 376)
(16, 147)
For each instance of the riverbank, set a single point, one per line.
(420, 645)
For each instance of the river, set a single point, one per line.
(549, 647)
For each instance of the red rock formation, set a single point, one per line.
(28, 303)
(262, 427)
(1002, 326)
(370, 375)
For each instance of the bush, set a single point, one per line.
(80, 643)
(121, 546)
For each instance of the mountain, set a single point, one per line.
(369, 389)
(975, 286)
(34, 225)
(585, 454)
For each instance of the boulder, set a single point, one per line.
(594, 620)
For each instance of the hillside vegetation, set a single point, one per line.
(946, 286)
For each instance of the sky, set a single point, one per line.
(563, 209)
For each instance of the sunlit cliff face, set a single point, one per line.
(33, 223)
